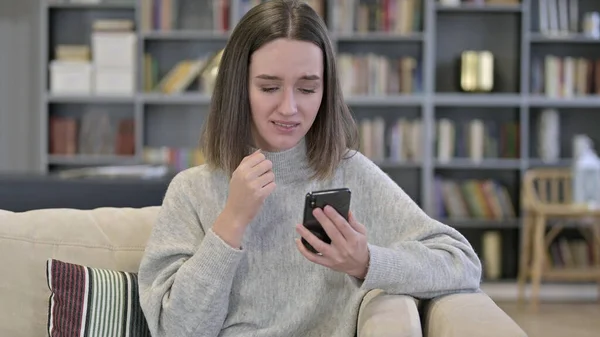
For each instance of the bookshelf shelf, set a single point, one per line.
(592, 101)
(377, 37)
(564, 162)
(482, 223)
(86, 160)
(478, 100)
(74, 99)
(468, 8)
(486, 164)
(190, 35)
(569, 38)
(101, 5)
(382, 101)
(185, 99)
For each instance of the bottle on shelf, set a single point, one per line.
(586, 173)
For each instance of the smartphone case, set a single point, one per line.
(338, 198)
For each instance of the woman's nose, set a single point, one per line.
(288, 104)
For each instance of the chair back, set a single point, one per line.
(547, 187)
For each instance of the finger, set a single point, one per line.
(249, 157)
(310, 256)
(246, 158)
(261, 168)
(253, 159)
(330, 228)
(266, 178)
(356, 225)
(340, 223)
(314, 241)
(264, 166)
(268, 189)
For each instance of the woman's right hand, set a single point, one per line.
(251, 183)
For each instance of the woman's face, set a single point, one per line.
(286, 88)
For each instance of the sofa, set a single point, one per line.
(114, 238)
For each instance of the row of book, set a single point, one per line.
(176, 158)
(560, 17)
(557, 76)
(570, 253)
(485, 199)
(183, 75)
(373, 74)
(394, 16)
(477, 139)
(95, 133)
(369, 74)
(399, 17)
(166, 15)
(399, 141)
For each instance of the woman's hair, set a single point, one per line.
(227, 131)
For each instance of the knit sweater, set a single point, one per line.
(192, 283)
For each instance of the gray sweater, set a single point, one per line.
(194, 284)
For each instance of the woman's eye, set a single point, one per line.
(307, 91)
(272, 89)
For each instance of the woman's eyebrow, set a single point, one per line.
(276, 78)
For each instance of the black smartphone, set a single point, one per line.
(338, 198)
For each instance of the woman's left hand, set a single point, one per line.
(348, 251)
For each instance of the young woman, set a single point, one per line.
(225, 257)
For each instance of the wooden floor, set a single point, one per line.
(557, 319)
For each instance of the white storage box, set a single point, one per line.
(114, 49)
(71, 78)
(114, 81)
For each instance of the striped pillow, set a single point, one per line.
(91, 302)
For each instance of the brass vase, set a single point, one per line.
(476, 71)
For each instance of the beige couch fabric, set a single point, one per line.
(111, 238)
(388, 315)
(460, 315)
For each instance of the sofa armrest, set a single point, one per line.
(383, 315)
(467, 314)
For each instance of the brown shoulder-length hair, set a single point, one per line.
(226, 133)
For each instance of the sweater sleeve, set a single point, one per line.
(410, 253)
(186, 273)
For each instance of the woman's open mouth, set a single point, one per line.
(285, 126)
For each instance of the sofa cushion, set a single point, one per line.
(109, 238)
(93, 301)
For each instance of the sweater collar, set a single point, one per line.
(291, 165)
